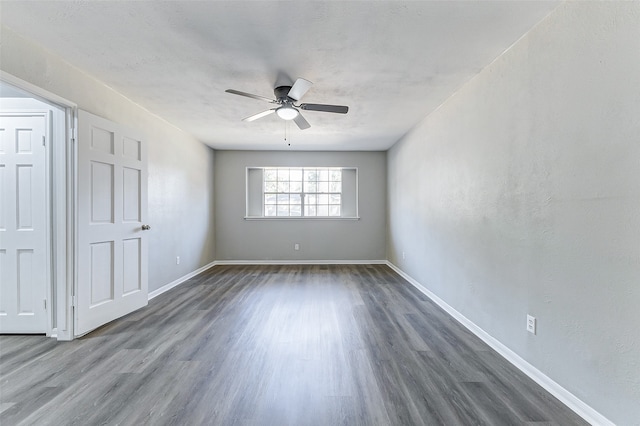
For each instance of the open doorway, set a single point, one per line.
(36, 211)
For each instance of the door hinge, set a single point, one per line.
(74, 301)
(44, 141)
(45, 304)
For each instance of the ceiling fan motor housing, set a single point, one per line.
(281, 93)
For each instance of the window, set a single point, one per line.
(301, 192)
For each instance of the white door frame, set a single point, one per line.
(63, 196)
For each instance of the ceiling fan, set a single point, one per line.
(287, 109)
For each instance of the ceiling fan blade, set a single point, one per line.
(299, 88)
(340, 109)
(301, 122)
(259, 115)
(249, 95)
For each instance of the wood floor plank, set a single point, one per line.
(277, 344)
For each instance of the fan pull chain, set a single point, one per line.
(286, 128)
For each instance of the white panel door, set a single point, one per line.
(23, 223)
(112, 208)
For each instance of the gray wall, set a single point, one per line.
(180, 167)
(240, 239)
(521, 194)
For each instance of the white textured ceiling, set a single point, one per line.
(391, 62)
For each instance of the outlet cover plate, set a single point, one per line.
(531, 324)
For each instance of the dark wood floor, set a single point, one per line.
(274, 345)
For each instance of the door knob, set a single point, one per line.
(146, 227)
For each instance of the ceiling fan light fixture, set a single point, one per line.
(287, 112)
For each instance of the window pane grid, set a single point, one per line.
(314, 192)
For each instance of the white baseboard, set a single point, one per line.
(179, 281)
(566, 397)
(300, 262)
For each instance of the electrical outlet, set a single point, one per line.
(296, 246)
(403, 256)
(177, 260)
(531, 324)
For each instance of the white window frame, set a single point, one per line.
(302, 191)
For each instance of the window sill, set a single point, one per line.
(298, 218)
